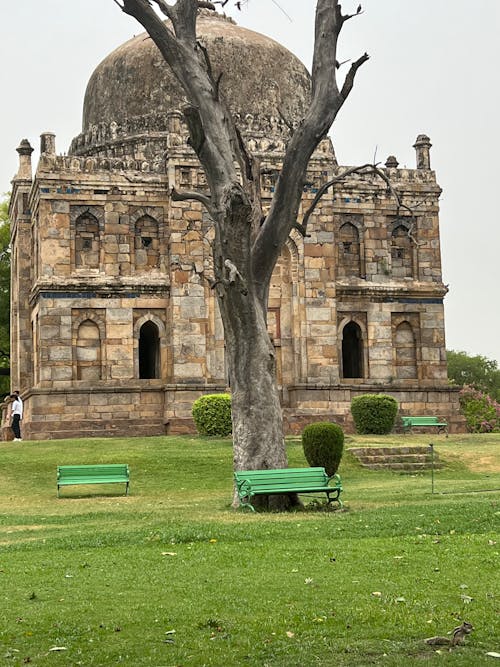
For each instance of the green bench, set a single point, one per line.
(106, 473)
(431, 422)
(250, 483)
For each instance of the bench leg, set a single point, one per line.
(337, 498)
(247, 503)
(126, 489)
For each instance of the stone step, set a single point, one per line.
(402, 459)
(401, 467)
(371, 451)
(396, 458)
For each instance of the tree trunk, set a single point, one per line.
(258, 440)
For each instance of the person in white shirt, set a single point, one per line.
(16, 412)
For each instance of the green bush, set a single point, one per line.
(374, 413)
(212, 414)
(323, 444)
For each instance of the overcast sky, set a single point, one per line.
(433, 69)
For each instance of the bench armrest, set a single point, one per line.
(336, 479)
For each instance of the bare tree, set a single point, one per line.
(247, 245)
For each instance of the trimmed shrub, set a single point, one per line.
(481, 412)
(323, 444)
(212, 414)
(374, 413)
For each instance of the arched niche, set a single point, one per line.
(150, 348)
(353, 352)
(87, 241)
(349, 251)
(88, 352)
(402, 252)
(405, 352)
(146, 243)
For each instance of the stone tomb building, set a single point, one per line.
(114, 328)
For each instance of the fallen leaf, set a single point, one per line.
(401, 599)
(58, 648)
(463, 586)
(290, 634)
(491, 543)
(467, 599)
(377, 594)
(170, 632)
(308, 580)
(212, 541)
(492, 654)
(168, 553)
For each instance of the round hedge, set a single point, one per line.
(212, 414)
(323, 444)
(374, 413)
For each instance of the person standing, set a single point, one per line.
(16, 412)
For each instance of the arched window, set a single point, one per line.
(87, 241)
(401, 253)
(149, 351)
(352, 351)
(349, 257)
(405, 351)
(147, 243)
(88, 352)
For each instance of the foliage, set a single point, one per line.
(4, 292)
(481, 412)
(374, 413)
(212, 414)
(477, 371)
(323, 444)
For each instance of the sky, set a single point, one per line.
(433, 70)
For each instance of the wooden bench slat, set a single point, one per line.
(250, 483)
(106, 473)
(422, 421)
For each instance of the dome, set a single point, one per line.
(132, 101)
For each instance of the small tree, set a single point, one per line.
(374, 413)
(212, 414)
(474, 370)
(323, 444)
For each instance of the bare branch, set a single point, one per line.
(359, 11)
(362, 169)
(326, 186)
(349, 80)
(187, 195)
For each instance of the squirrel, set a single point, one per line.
(457, 636)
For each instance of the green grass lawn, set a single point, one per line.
(172, 576)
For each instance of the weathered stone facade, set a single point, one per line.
(114, 328)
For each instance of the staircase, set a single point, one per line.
(399, 459)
